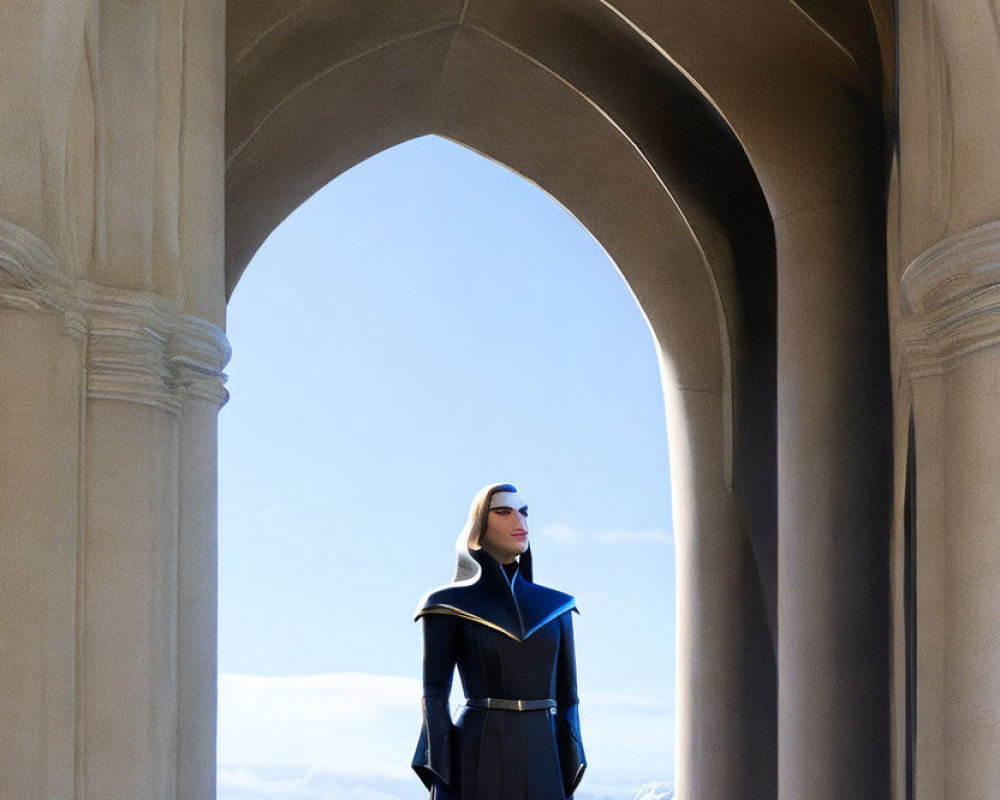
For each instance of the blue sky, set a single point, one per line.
(427, 323)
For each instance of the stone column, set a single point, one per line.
(41, 395)
(946, 313)
(834, 501)
(725, 694)
(111, 351)
(147, 672)
(197, 566)
(950, 341)
(109, 401)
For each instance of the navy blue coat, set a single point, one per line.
(509, 640)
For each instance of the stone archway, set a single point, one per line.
(731, 163)
(677, 217)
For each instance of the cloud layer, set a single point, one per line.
(349, 724)
(351, 735)
(562, 533)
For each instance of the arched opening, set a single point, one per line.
(649, 166)
(349, 79)
(489, 344)
(638, 154)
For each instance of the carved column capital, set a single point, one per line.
(950, 301)
(137, 346)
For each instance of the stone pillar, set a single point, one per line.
(111, 351)
(834, 501)
(108, 423)
(197, 570)
(725, 694)
(947, 284)
(41, 395)
(950, 341)
(149, 610)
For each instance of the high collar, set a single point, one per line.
(470, 564)
(517, 608)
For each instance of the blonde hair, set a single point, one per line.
(475, 526)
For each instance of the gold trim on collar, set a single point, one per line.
(457, 612)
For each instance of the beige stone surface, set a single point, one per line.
(725, 690)
(111, 298)
(813, 272)
(833, 477)
(949, 111)
(128, 665)
(945, 259)
(197, 598)
(39, 498)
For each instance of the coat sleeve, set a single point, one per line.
(432, 760)
(572, 760)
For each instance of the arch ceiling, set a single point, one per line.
(671, 130)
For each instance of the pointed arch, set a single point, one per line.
(576, 100)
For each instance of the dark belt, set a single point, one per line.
(502, 704)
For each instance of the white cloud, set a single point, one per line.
(239, 779)
(261, 783)
(623, 536)
(628, 737)
(561, 533)
(351, 736)
(349, 724)
(652, 701)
